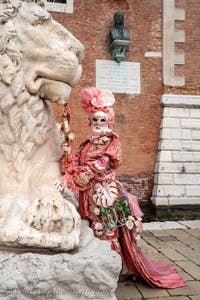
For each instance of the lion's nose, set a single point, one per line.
(79, 51)
(81, 54)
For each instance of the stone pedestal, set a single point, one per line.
(90, 272)
(177, 170)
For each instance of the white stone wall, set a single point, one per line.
(177, 168)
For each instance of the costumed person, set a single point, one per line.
(113, 213)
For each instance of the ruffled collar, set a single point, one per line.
(101, 138)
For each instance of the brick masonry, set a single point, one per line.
(138, 117)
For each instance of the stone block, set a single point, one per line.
(168, 190)
(179, 14)
(179, 36)
(190, 145)
(192, 168)
(179, 145)
(176, 134)
(186, 179)
(195, 113)
(193, 190)
(190, 123)
(164, 156)
(179, 59)
(186, 200)
(183, 156)
(177, 167)
(159, 201)
(195, 134)
(176, 112)
(190, 101)
(165, 133)
(196, 156)
(163, 179)
(170, 122)
(180, 134)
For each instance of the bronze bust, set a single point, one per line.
(119, 38)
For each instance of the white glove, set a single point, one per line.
(66, 148)
(59, 185)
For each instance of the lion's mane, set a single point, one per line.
(24, 121)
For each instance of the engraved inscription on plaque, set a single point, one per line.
(121, 77)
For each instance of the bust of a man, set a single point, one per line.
(119, 38)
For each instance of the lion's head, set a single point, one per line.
(40, 60)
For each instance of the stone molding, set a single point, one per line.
(180, 100)
(170, 37)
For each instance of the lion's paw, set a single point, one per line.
(51, 213)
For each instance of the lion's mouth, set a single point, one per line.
(54, 88)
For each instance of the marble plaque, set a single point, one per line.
(121, 77)
(64, 6)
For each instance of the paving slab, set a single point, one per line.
(192, 288)
(154, 241)
(184, 275)
(195, 297)
(127, 293)
(191, 224)
(173, 255)
(178, 247)
(193, 232)
(163, 232)
(164, 225)
(146, 248)
(149, 292)
(170, 298)
(186, 238)
(160, 257)
(190, 268)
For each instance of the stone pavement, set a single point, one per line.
(177, 243)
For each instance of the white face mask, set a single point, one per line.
(99, 122)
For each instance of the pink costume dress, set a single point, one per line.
(91, 173)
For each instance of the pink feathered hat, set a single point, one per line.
(94, 99)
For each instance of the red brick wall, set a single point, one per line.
(137, 117)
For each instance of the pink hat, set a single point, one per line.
(94, 99)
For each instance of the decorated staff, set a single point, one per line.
(68, 137)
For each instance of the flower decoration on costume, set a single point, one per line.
(129, 224)
(105, 98)
(98, 226)
(114, 217)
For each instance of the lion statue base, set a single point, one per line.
(34, 71)
(89, 273)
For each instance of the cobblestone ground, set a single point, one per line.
(177, 243)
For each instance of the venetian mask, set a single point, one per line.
(99, 122)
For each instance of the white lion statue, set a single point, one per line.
(39, 63)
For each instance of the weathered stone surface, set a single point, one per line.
(91, 272)
(35, 70)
